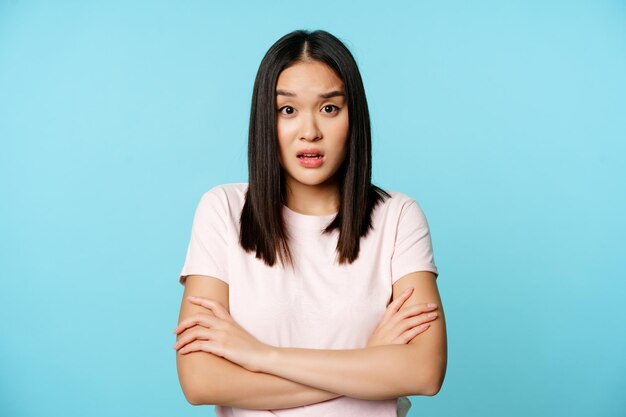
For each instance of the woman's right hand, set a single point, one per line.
(399, 327)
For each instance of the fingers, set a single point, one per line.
(199, 318)
(395, 305)
(411, 327)
(415, 310)
(410, 334)
(407, 323)
(416, 321)
(195, 333)
(200, 346)
(215, 306)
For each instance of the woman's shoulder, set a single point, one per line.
(397, 206)
(227, 196)
(397, 199)
(232, 189)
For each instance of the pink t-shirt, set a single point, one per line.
(322, 305)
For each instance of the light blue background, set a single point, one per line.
(505, 120)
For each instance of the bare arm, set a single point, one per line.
(209, 379)
(373, 373)
(379, 372)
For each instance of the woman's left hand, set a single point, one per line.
(220, 335)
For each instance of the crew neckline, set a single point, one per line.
(307, 221)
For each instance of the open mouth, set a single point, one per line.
(311, 158)
(312, 153)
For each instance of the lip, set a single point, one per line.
(310, 150)
(311, 162)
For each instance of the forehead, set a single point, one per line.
(309, 76)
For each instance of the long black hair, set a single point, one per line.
(262, 224)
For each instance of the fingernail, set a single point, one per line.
(408, 289)
(432, 305)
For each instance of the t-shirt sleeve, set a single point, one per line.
(413, 248)
(207, 253)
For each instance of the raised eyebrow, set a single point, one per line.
(285, 93)
(334, 93)
(330, 94)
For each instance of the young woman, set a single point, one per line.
(308, 290)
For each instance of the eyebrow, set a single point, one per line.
(334, 93)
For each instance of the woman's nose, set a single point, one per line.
(310, 130)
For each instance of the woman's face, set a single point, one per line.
(312, 123)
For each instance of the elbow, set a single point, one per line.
(195, 388)
(193, 398)
(193, 395)
(198, 395)
(199, 376)
(427, 381)
(428, 387)
(434, 381)
(432, 390)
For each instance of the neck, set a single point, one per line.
(314, 200)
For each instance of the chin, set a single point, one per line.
(317, 181)
(311, 177)
(312, 182)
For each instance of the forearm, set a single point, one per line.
(372, 373)
(209, 379)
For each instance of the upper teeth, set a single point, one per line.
(310, 154)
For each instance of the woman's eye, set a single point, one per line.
(286, 110)
(330, 108)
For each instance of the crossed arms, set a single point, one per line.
(292, 377)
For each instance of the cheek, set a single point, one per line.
(281, 137)
(343, 126)
(284, 134)
(342, 134)
(284, 150)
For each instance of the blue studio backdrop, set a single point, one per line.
(505, 120)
